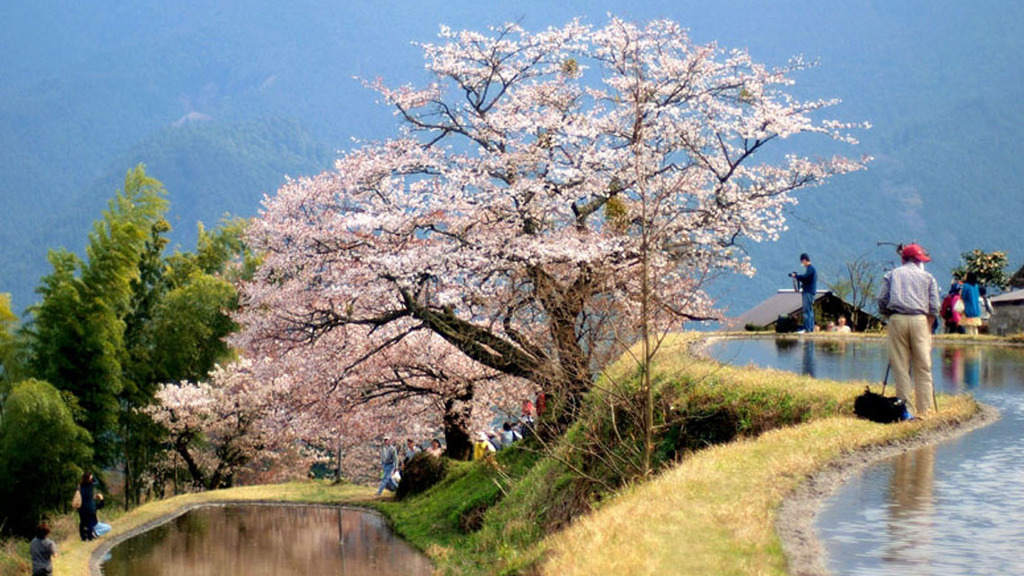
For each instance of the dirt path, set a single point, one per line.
(805, 554)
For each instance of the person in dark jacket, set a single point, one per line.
(808, 289)
(91, 502)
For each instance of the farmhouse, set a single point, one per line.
(1007, 313)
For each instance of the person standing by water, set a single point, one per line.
(972, 309)
(985, 305)
(809, 289)
(951, 309)
(42, 550)
(910, 297)
(388, 461)
(89, 526)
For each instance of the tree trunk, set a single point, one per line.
(459, 443)
(198, 477)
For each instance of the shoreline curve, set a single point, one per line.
(805, 555)
(97, 557)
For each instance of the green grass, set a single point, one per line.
(715, 512)
(14, 558)
(458, 523)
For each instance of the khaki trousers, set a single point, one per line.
(910, 355)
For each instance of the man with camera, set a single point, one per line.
(809, 289)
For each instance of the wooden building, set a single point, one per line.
(1007, 314)
(783, 312)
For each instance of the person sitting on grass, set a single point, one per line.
(841, 325)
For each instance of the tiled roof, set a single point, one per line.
(1014, 297)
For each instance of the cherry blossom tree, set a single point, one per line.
(226, 425)
(398, 381)
(549, 195)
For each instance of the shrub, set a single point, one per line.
(40, 450)
(420, 473)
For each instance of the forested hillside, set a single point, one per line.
(221, 101)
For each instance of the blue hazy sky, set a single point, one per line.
(81, 83)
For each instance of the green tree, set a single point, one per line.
(79, 327)
(41, 450)
(224, 251)
(989, 267)
(140, 436)
(191, 323)
(191, 319)
(112, 327)
(11, 360)
(175, 331)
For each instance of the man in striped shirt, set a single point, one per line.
(910, 297)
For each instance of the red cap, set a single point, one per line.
(915, 252)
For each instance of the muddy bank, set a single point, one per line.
(804, 553)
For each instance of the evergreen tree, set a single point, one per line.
(80, 325)
(112, 327)
(11, 361)
(140, 436)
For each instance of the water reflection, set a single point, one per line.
(808, 360)
(268, 540)
(962, 367)
(911, 504)
(956, 369)
(943, 510)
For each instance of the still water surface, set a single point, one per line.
(270, 540)
(950, 509)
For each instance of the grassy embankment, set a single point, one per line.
(711, 511)
(735, 441)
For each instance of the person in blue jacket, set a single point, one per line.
(972, 304)
(809, 289)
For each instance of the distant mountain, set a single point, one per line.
(211, 169)
(222, 99)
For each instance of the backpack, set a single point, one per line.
(76, 500)
(946, 311)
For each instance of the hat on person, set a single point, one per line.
(915, 252)
(804, 256)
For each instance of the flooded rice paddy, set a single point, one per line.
(270, 540)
